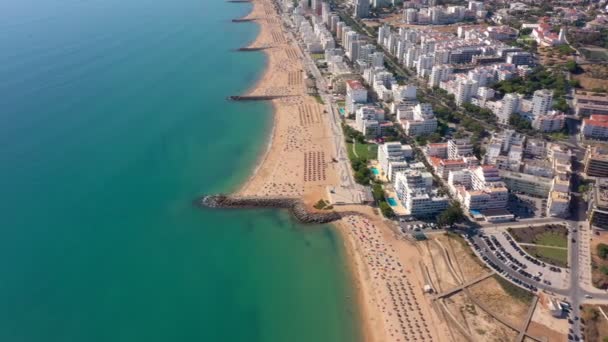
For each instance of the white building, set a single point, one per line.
(393, 153)
(418, 120)
(355, 94)
(595, 127)
(459, 148)
(465, 89)
(551, 122)
(414, 190)
(480, 188)
(542, 101)
(439, 73)
(368, 119)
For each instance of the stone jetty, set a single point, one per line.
(294, 205)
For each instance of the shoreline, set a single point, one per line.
(363, 316)
(297, 163)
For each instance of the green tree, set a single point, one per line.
(573, 67)
(453, 214)
(377, 192)
(602, 250)
(525, 31)
(386, 209)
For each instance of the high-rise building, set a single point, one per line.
(465, 90)
(439, 73)
(542, 101)
(361, 8)
(510, 105)
(355, 94)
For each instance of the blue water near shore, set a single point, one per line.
(113, 119)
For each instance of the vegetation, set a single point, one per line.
(520, 123)
(378, 192)
(514, 291)
(322, 204)
(362, 150)
(453, 214)
(386, 209)
(352, 134)
(552, 239)
(554, 256)
(479, 113)
(540, 78)
(602, 251)
(573, 67)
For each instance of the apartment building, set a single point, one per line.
(595, 127)
(392, 157)
(596, 162)
(356, 93)
(585, 105)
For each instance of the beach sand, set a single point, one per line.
(389, 284)
(297, 164)
(298, 160)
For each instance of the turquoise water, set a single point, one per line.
(113, 119)
(391, 201)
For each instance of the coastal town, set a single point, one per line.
(465, 144)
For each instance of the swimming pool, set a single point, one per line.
(375, 171)
(391, 201)
(341, 110)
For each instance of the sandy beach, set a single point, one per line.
(298, 164)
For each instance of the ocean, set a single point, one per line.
(113, 119)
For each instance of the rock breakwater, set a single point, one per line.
(294, 205)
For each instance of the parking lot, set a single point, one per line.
(417, 226)
(506, 258)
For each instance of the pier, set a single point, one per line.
(253, 48)
(243, 20)
(256, 98)
(238, 1)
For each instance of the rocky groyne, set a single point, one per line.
(295, 207)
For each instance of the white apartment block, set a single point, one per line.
(419, 120)
(438, 74)
(393, 152)
(355, 94)
(595, 127)
(459, 148)
(552, 122)
(542, 102)
(368, 119)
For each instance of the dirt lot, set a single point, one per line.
(535, 235)
(593, 77)
(599, 278)
(543, 324)
(479, 324)
(469, 266)
(492, 294)
(552, 56)
(596, 326)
